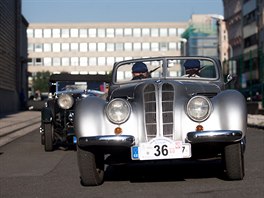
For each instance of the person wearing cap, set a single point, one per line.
(192, 68)
(140, 71)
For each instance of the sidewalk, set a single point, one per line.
(13, 126)
(16, 125)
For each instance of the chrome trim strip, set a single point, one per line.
(107, 140)
(214, 136)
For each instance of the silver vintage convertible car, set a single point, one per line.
(162, 108)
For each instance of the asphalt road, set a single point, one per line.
(27, 171)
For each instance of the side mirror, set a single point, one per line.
(230, 79)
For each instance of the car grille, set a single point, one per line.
(158, 106)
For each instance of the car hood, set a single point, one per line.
(182, 87)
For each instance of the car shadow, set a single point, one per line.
(163, 171)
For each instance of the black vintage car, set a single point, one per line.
(65, 91)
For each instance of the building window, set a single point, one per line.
(180, 31)
(110, 61)
(137, 46)
(38, 33)
(110, 47)
(74, 33)
(110, 32)
(74, 61)
(128, 46)
(83, 33)
(172, 46)
(65, 47)
(30, 33)
(83, 61)
(65, 33)
(92, 32)
(30, 61)
(38, 61)
(127, 32)
(56, 61)
(30, 47)
(119, 32)
(38, 47)
(154, 32)
(56, 33)
(172, 32)
(56, 47)
(101, 61)
(145, 46)
(154, 46)
(145, 32)
(47, 61)
(163, 32)
(74, 47)
(136, 32)
(92, 61)
(65, 61)
(83, 47)
(101, 32)
(163, 46)
(47, 33)
(119, 47)
(101, 47)
(118, 59)
(47, 47)
(92, 47)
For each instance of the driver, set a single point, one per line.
(140, 71)
(192, 68)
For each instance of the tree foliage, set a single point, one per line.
(41, 81)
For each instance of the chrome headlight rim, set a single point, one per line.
(109, 109)
(206, 114)
(65, 101)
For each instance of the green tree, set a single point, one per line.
(41, 81)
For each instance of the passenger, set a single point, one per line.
(140, 71)
(192, 68)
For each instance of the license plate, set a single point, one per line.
(161, 148)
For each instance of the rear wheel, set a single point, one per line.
(234, 161)
(91, 167)
(48, 137)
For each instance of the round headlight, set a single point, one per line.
(199, 108)
(65, 101)
(118, 111)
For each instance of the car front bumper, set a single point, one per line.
(221, 136)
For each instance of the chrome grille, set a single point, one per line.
(159, 100)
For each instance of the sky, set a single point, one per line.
(81, 11)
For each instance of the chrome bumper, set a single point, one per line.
(107, 140)
(214, 136)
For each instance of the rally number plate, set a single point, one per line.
(161, 148)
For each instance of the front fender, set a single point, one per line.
(46, 115)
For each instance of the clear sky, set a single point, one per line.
(65, 11)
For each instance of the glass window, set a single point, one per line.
(154, 46)
(92, 32)
(119, 32)
(38, 61)
(74, 33)
(56, 47)
(101, 47)
(65, 33)
(172, 32)
(56, 33)
(47, 61)
(65, 61)
(47, 47)
(30, 33)
(38, 47)
(83, 33)
(83, 61)
(47, 33)
(110, 47)
(101, 61)
(163, 32)
(145, 32)
(172, 46)
(92, 61)
(154, 32)
(110, 61)
(136, 32)
(119, 59)
(127, 32)
(30, 47)
(128, 46)
(163, 46)
(110, 32)
(136, 46)
(56, 61)
(83, 47)
(145, 46)
(180, 31)
(92, 47)
(74, 47)
(38, 33)
(101, 32)
(119, 47)
(65, 47)
(74, 61)
(30, 61)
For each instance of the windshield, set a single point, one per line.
(71, 86)
(171, 68)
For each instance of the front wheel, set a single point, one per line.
(91, 167)
(234, 161)
(48, 137)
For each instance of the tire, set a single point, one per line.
(91, 167)
(48, 137)
(234, 161)
(42, 139)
